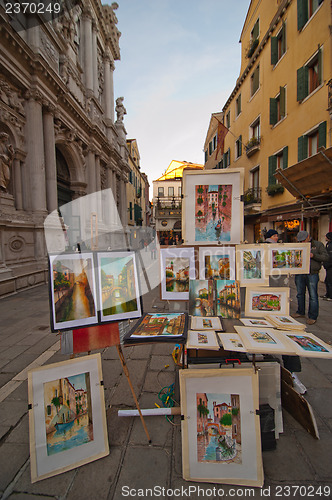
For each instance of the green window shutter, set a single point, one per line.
(302, 13)
(274, 50)
(225, 160)
(322, 135)
(272, 169)
(229, 156)
(256, 79)
(239, 104)
(273, 111)
(240, 145)
(282, 102)
(210, 148)
(205, 156)
(302, 83)
(283, 38)
(320, 66)
(285, 157)
(302, 146)
(255, 31)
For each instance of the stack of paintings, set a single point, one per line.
(264, 340)
(285, 322)
(159, 327)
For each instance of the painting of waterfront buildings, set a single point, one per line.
(307, 343)
(177, 274)
(213, 212)
(265, 302)
(287, 259)
(158, 324)
(218, 428)
(68, 413)
(217, 266)
(73, 291)
(228, 298)
(201, 295)
(262, 337)
(252, 264)
(118, 286)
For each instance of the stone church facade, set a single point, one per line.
(61, 135)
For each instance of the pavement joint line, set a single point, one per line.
(17, 380)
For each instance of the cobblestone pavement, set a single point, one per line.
(133, 464)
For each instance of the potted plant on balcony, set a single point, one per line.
(252, 47)
(274, 189)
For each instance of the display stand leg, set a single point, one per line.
(126, 372)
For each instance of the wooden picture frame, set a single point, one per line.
(67, 417)
(261, 301)
(264, 340)
(308, 345)
(119, 295)
(251, 265)
(177, 267)
(212, 210)
(230, 397)
(72, 286)
(217, 262)
(288, 258)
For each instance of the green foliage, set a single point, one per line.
(203, 410)
(199, 200)
(226, 419)
(235, 411)
(274, 189)
(56, 402)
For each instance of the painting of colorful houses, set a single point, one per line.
(218, 428)
(308, 343)
(287, 259)
(68, 413)
(266, 302)
(73, 291)
(177, 274)
(262, 337)
(119, 287)
(163, 325)
(228, 298)
(213, 212)
(217, 266)
(201, 298)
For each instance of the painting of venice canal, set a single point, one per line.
(288, 259)
(252, 264)
(68, 413)
(213, 212)
(228, 298)
(201, 298)
(217, 266)
(218, 428)
(73, 289)
(177, 274)
(118, 285)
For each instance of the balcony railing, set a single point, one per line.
(253, 195)
(168, 202)
(253, 145)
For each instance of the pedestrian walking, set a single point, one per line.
(328, 268)
(318, 255)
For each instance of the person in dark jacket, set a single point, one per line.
(328, 267)
(318, 255)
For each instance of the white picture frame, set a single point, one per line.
(288, 258)
(205, 323)
(240, 432)
(214, 215)
(199, 339)
(257, 322)
(308, 345)
(251, 265)
(284, 322)
(51, 455)
(261, 301)
(232, 342)
(216, 262)
(180, 263)
(264, 340)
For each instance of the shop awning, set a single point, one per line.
(309, 177)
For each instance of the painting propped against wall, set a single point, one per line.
(177, 268)
(217, 263)
(72, 291)
(212, 211)
(67, 418)
(220, 428)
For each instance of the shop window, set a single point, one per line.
(309, 144)
(305, 10)
(278, 45)
(309, 76)
(278, 107)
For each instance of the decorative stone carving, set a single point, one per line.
(6, 160)
(16, 244)
(48, 48)
(103, 177)
(120, 109)
(101, 78)
(11, 98)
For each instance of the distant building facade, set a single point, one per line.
(59, 129)
(137, 188)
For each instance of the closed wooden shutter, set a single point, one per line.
(273, 111)
(302, 13)
(302, 83)
(274, 50)
(285, 157)
(322, 135)
(302, 147)
(272, 169)
(282, 102)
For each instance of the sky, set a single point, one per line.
(179, 63)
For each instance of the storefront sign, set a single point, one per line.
(291, 224)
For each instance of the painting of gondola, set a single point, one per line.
(67, 418)
(227, 298)
(285, 258)
(118, 286)
(211, 210)
(261, 301)
(177, 268)
(217, 262)
(251, 265)
(201, 298)
(220, 426)
(72, 291)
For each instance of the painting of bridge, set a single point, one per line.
(218, 428)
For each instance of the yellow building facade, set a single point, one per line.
(279, 113)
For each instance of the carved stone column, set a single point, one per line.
(109, 89)
(91, 173)
(123, 202)
(87, 58)
(50, 158)
(18, 184)
(95, 59)
(35, 160)
(98, 187)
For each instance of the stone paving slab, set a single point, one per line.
(12, 458)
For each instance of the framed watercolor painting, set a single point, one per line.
(73, 299)
(119, 296)
(264, 340)
(154, 327)
(308, 345)
(285, 258)
(257, 322)
(217, 263)
(251, 265)
(220, 426)
(227, 293)
(177, 267)
(285, 322)
(231, 342)
(261, 301)
(67, 418)
(202, 340)
(199, 323)
(212, 210)
(201, 298)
